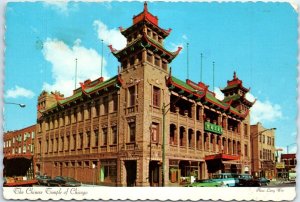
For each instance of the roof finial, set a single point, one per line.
(145, 7)
(234, 75)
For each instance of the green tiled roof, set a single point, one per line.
(182, 83)
(214, 99)
(230, 87)
(104, 83)
(233, 97)
(88, 90)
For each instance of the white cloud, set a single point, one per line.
(260, 111)
(265, 111)
(62, 57)
(218, 93)
(60, 6)
(174, 47)
(184, 37)
(110, 36)
(19, 92)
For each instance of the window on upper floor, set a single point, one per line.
(132, 132)
(105, 104)
(154, 132)
(131, 96)
(115, 102)
(114, 132)
(156, 96)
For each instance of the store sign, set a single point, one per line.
(280, 165)
(213, 128)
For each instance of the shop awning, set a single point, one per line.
(15, 156)
(224, 157)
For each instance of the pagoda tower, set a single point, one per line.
(235, 93)
(144, 69)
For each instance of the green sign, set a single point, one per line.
(213, 128)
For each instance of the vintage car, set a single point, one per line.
(205, 183)
(61, 181)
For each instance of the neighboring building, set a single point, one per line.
(19, 155)
(289, 165)
(111, 132)
(263, 151)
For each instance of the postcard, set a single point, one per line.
(149, 100)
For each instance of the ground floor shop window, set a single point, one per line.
(108, 171)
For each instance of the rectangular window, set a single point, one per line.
(131, 100)
(73, 144)
(56, 144)
(81, 111)
(114, 135)
(88, 139)
(115, 102)
(105, 105)
(80, 141)
(104, 136)
(97, 111)
(154, 132)
(132, 132)
(96, 133)
(88, 109)
(156, 96)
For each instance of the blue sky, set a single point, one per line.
(257, 40)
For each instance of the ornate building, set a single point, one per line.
(263, 151)
(125, 130)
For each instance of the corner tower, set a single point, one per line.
(144, 68)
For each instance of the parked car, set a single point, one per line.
(242, 179)
(43, 179)
(63, 181)
(205, 183)
(258, 182)
(226, 179)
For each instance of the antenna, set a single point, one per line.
(201, 58)
(187, 59)
(213, 76)
(102, 57)
(75, 72)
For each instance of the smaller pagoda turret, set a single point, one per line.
(235, 93)
(145, 42)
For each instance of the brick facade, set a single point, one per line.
(263, 151)
(111, 132)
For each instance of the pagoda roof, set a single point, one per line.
(237, 97)
(87, 89)
(234, 83)
(200, 92)
(146, 18)
(145, 41)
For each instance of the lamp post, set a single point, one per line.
(252, 138)
(13, 103)
(287, 147)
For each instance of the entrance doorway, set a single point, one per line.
(154, 177)
(130, 173)
(233, 168)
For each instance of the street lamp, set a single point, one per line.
(13, 103)
(287, 147)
